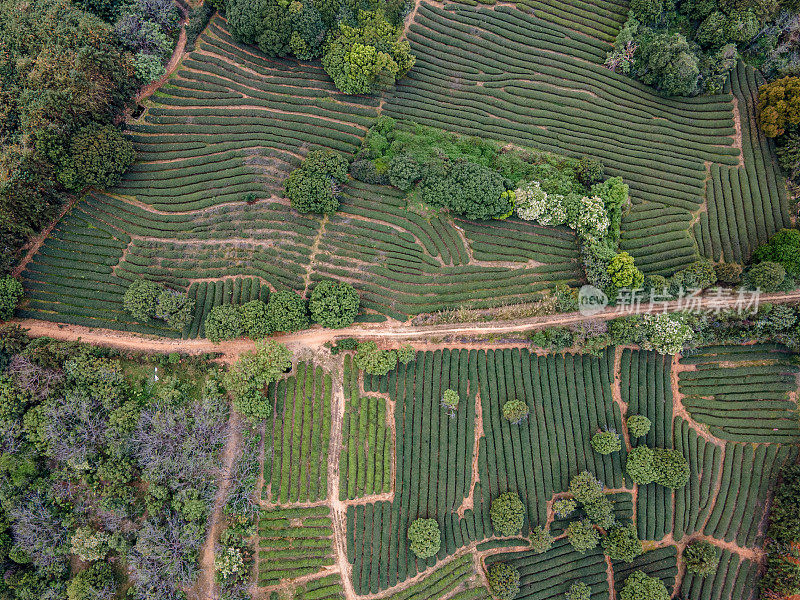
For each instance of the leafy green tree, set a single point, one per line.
(368, 57)
(311, 192)
(589, 171)
(174, 308)
(622, 543)
(729, 272)
(450, 401)
(585, 487)
(334, 304)
(254, 319)
(95, 583)
(10, 295)
(666, 334)
(701, 558)
(767, 276)
(507, 513)
(600, 512)
(98, 156)
(373, 360)
(404, 171)
(425, 538)
(541, 540)
(624, 274)
(784, 249)
(224, 322)
(671, 468)
(564, 507)
(255, 370)
(638, 425)
(668, 64)
(639, 465)
(406, 353)
(647, 11)
(141, 299)
(327, 162)
(582, 535)
(468, 189)
(640, 586)
(503, 581)
(778, 105)
(286, 311)
(515, 411)
(13, 400)
(578, 591)
(606, 442)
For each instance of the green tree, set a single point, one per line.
(783, 248)
(507, 513)
(175, 308)
(254, 319)
(515, 411)
(606, 442)
(666, 334)
(98, 155)
(578, 591)
(668, 64)
(503, 581)
(368, 57)
(224, 322)
(638, 425)
(671, 468)
(373, 360)
(333, 304)
(541, 540)
(95, 583)
(141, 299)
(589, 170)
(564, 507)
(311, 192)
(585, 487)
(778, 105)
(469, 189)
(450, 401)
(767, 276)
(624, 274)
(639, 465)
(729, 272)
(622, 543)
(406, 353)
(255, 370)
(425, 538)
(701, 558)
(582, 535)
(640, 586)
(286, 311)
(10, 295)
(600, 512)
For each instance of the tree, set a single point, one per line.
(600, 512)
(174, 308)
(254, 370)
(578, 591)
(639, 465)
(141, 299)
(606, 442)
(701, 558)
(671, 468)
(541, 540)
(503, 581)
(468, 189)
(95, 583)
(404, 171)
(10, 295)
(224, 322)
(666, 334)
(286, 311)
(98, 155)
(624, 274)
(333, 304)
(515, 411)
(311, 192)
(89, 545)
(638, 425)
(585, 487)
(373, 360)
(368, 57)
(784, 249)
(254, 319)
(622, 543)
(729, 272)
(564, 507)
(582, 535)
(640, 586)
(668, 64)
(507, 513)
(425, 538)
(450, 401)
(406, 353)
(779, 105)
(589, 170)
(767, 276)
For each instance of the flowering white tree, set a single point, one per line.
(592, 221)
(534, 204)
(666, 334)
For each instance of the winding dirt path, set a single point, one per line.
(170, 67)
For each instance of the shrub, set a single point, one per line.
(639, 465)
(507, 513)
(334, 304)
(450, 401)
(373, 360)
(95, 583)
(600, 512)
(640, 586)
(606, 442)
(10, 295)
(586, 488)
(286, 311)
(253, 371)
(779, 105)
(229, 563)
(666, 334)
(503, 581)
(624, 274)
(515, 411)
(622, 543)
(578, 591)
(541, 540)
(141, 298)
(582, 535)
(406, 353)
(589, 171)
(638, 425)
(767, 276)
(729, 272)
(671, 468)
(425, 538)
(701, 558)
(224, 322)
(254, 319)
(564, 507)
(89, 545)
(784, 249)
